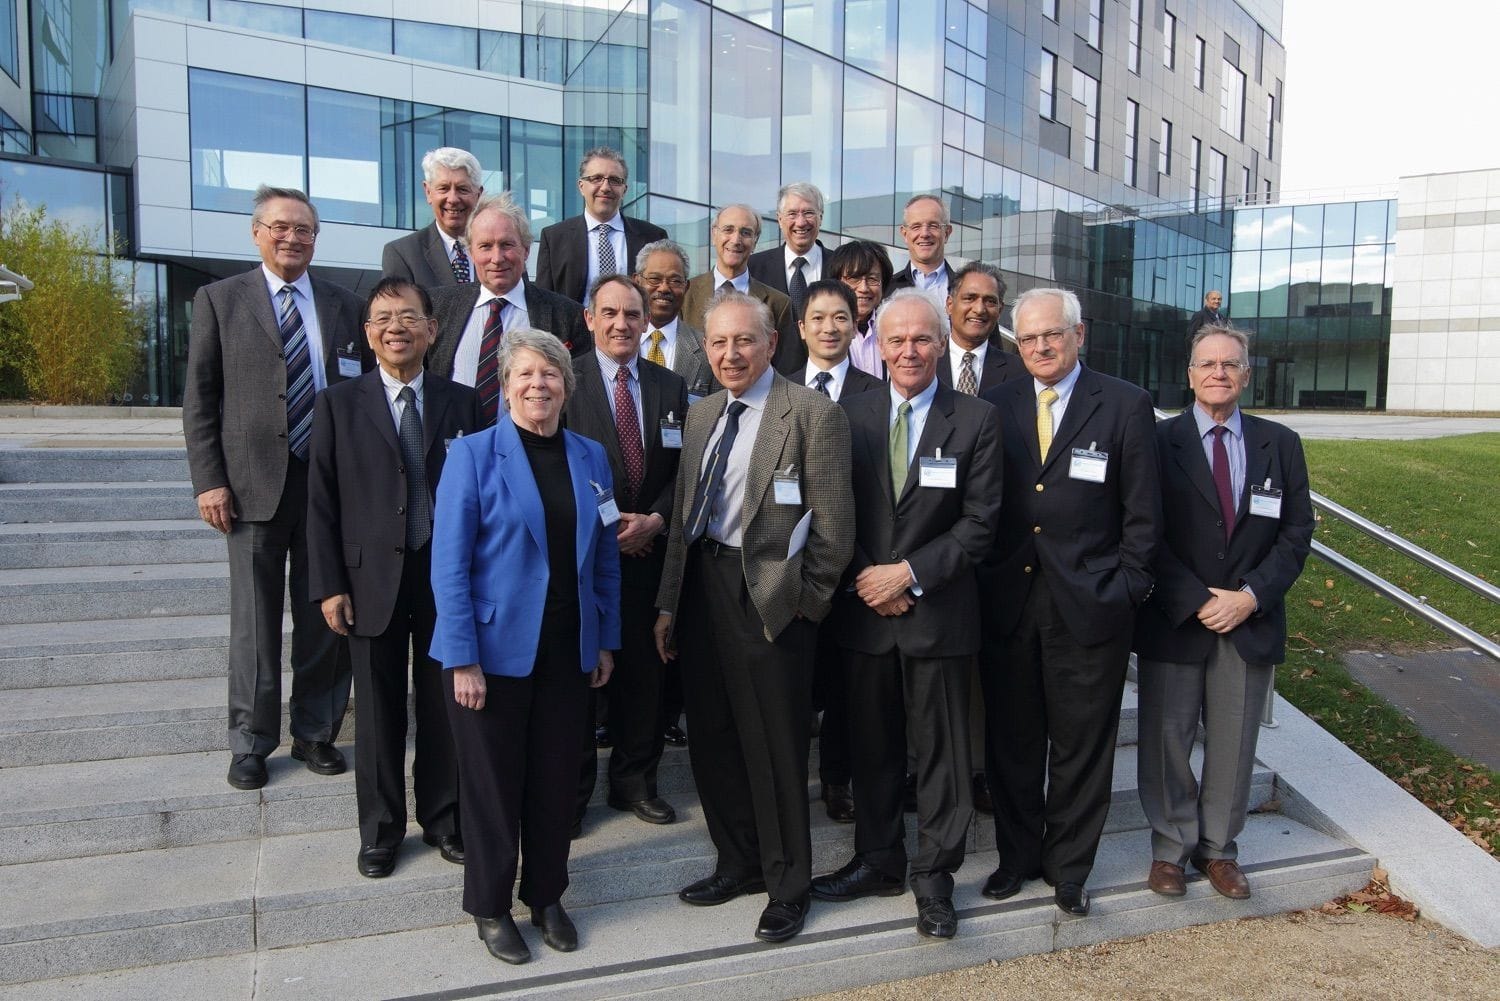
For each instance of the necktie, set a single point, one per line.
(899, 435)
(655, 354)
(1221, 479)
(727, 286)
(1044, 401)
(606, 251)
(629, 431)
(487, 379)
(967, 384)
(460, 263)
(299, 374)
(711, 485)
(822, 379)
(418, 500)
(797, 287)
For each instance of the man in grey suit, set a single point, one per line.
(472, 319)
(736, 228)
(661, 274)
(434, 256)
(762, 529)
(262, 344)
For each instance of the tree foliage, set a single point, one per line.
(76, 337)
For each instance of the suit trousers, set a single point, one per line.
(1192, 819)
(258, 556)
(517, 776)
(748, 703)
(1053, 707)
(830, 695)
(896, 701)
(380, 671)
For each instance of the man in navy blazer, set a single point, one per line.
(1073, 562)
(1237, 527)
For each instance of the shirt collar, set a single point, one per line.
(755, 396)
(516, 297)
(608, 367)
(593, 223)
(813, 257)
(393, 386)
(742, 283)
(1064, 386)
(840, 371)
(956, 352)
(448, 241)
(1206, 423)
(919, 403)
(303, 284)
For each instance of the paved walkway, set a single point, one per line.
(1315, 424)
(1452, 695)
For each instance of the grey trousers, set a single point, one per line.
(1192, 818)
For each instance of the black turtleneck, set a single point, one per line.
(548, 456)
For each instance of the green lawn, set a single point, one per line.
(1442, 494)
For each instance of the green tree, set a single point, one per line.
(76, 337)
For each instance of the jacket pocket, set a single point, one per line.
(351, 555)
(1099, 564)
(484, 611)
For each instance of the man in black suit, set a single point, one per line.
(1209, 315)
(661, 274)
(377, 452)
(602, 241)
(925, 226)
(927, 483)
(262, 344)
(798, 262)
(434, 256)
(636, 410)
(1059, 593)
(472, 319)
(977, 358)
(1237, 527)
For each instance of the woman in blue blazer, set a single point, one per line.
(526, 577)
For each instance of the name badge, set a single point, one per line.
(1265, 501)
(609, 511)
(448, 442)
(671, 431)
(936, 471)
(1088, 464)
(348, 367)
(788, 487)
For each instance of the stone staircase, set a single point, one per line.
(130, 868)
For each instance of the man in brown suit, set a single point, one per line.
(734, 234)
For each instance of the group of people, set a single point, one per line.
(807, 479)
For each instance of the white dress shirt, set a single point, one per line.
(921, 405)
(616, 240)
(839, 372)
(812, 270)
(393, 387)
(725, 520)
(607, 368)
(466, 355)
(937, 281)
(1234, 445)
(956, 353)
(668, 342)
(448, 244)
(308, 310)
(1064, 390)
(741, 281)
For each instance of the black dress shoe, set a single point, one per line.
(247, 771)
(1004, 884)
(376, 861)
(320, 756)
(450, 846)
(936, 917)
(782, 919)
(653, 811)
(1071, 898)
(503, 939)
(982, 801)
(673, 735)
(557, 928)
(909, 795)
(718, 889)
(855, 880)
(602, 737)
(839, 802)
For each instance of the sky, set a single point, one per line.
(1378, 89)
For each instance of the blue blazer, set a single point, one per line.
(489, 555)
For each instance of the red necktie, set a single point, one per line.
(487, 378)
(1221, 480)
(629, 431)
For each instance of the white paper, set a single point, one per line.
(799, 535)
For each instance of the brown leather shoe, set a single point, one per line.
(1225, 876)
(1166, 879)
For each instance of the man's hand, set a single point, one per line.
(599, 677)
(896, 606)
(338, 612)
(1226, 610)
(216, 507)
(661, 631)
(468, 686)
(878, 584)
(636, 532)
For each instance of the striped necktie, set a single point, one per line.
(299, 374)
(487, 378)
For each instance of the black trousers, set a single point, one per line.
(748, 702)
(517, 772)
(380, 671)
(896, 701)
(830, 696)
(1054, 710)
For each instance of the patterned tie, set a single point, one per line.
(418, 500)
(487, 379)
(797, 287)
(606, 251)
(629, 431)
(711, 485)
(655, 354)
(899, 435)
(460, 263)
(822, 379)
(1221, 480)
(299, 374)
(967, 384)
(1044, 401)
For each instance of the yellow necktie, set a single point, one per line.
(655, 355)
(1044, 401)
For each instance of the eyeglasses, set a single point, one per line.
(282, 230)
(674, 282)
(1210, 367)
(1029, 342)
(809, 215)
(407, 319)
(861, 281)
(613, 180)
(743, 232)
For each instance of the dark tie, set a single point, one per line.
(797, 287)
(418, 500)
(728, 286)
(299, 374)
(629, 431)
(711, 485)
(823, 379)
(460, 263)
(606, 251)
(967, 384)
(1221, 479)
(487, 378)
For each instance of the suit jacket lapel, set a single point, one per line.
(377, 408)
(584, 500)
(935, 434)
(435, 399)
(695, 437)
(873, 415)
(437, 255)
(445, 348)
(1023, 412)
(593, 391)
(328, 322)
(1257, 463)
(1187, 452)
(767, 448)
(651, 414)
(258, 294)
(1081, 406)
(515, 470)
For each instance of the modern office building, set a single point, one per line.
(1095, 144)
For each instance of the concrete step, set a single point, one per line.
(97, 651)
(95, 501)
(108, 543)
(320, 931)
(75, 465)
(135, 590)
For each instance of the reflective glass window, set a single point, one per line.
(1369, 222)
(679, 99)
(870, 36)
(10, 47)
(1307, 226)
(536, 169)
(1094, 27)
(1232, 100)
(745, 105)
(437, 43)
(1216, 178)
(259, 16)
(1247, 229)
(1169, 40)
(920, 48)
(869, 162)
(1199, 55)
(1270, 126)
(1133, 50)
(919, 149)
(687, 224)
(1276, 232)
(817, 23)
(1338, 276)
(484, 136)
(1132, 140)
(1086, 91)
(761, 12)
(353, 30)
(1244, 284)
(544, 58)
(500, 52)
(244, 132)
(1195, 164)
(76, 197)
(1164, 149)
(812, 126)
(70, 43)
(1049, 9)
(1338, 224)
(343, 155)
(1047, 77)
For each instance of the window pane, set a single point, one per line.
(500, 52)
(812, 127)
(437, 43)
(818, 23)
(484, 136)
(745, 104)
(1307, 226)
(679, 100)
(10, 55)
(1338, 224)
(259, 16)
(918, 146)
(1232, 100)
(761, 12)
(1047, 76)
(1247, 229)
(869, 166)
(353, 30)
(536, 169)
(1169, 40)
(245, 132)
(343, 155)
(920, 51)
(870, 36)
(1369, 224)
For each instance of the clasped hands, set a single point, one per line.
(885, 587)
(1224, 612)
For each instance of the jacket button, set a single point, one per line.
(398, 550)
(1028, 569)
(400, 510)
(1036, 529)
(281, 396)
(401, 470)
(894, 555)
(1219, 523)
(1221, 556)
(1040, 488)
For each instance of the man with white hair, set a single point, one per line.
(435, 256)
(798, 262)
